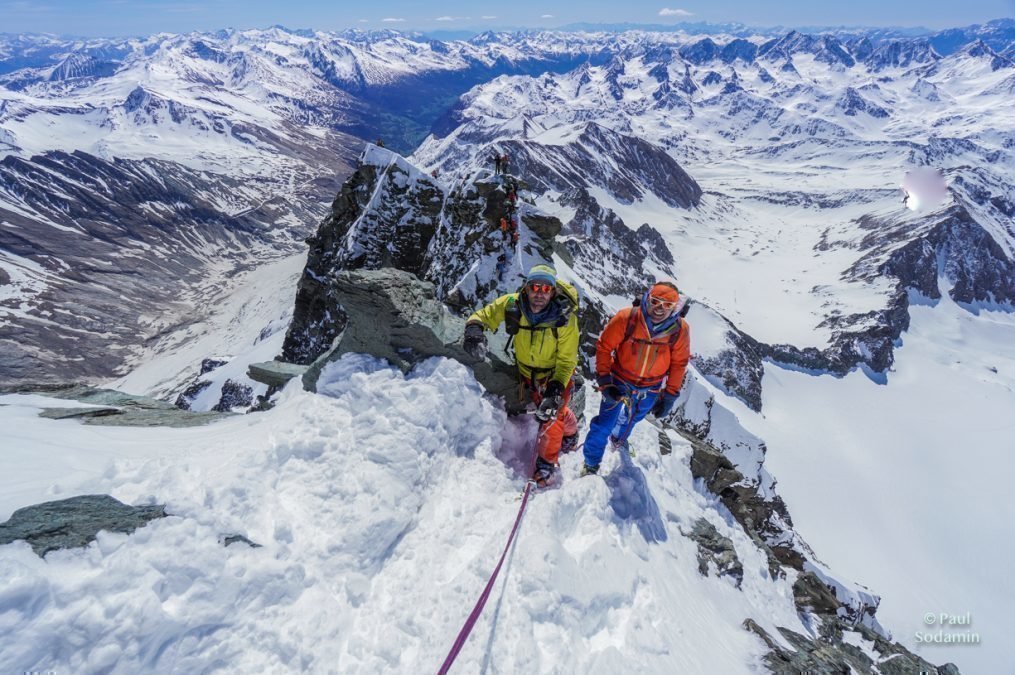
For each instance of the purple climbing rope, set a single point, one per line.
(463, 634)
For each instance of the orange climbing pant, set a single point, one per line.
(552, 432)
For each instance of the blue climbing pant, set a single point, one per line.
(618, 417)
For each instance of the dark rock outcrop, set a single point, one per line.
(852, 102)
(186, 397)
(234, 395)
(74, 522)
(767, 522)
(624, 165)
(971, 258)
(230, 539)
(390, 215)
(717, 550)
(208, 365)
(600, 244)
(737, 369)
(866, 339)
(831, 654)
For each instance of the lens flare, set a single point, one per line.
(924, 187)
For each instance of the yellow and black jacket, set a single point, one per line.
(546, 349)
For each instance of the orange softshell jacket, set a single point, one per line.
(641, 360)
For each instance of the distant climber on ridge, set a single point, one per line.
(540, 320)
(641, 358)
(496, 163)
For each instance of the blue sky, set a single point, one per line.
(137, 17)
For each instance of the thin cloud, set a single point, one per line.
(489, 17)
(450, 18)
(25, 7)
(391, 20)
(665, 11)
(546, 16)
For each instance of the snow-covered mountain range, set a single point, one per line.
(148, 184)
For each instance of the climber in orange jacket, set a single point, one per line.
(641, 358)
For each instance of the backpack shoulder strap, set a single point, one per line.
(512, 316)
(632, 318)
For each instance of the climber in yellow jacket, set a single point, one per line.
(541, 319)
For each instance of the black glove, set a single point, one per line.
(664, 404)
(609, 389)
(475, 340)
(553, 389)
(553, 398)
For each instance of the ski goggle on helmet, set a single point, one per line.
(663, 295)
(541, 279)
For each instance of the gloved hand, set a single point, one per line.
(475, 340)
(608, 388)
(553, 398)
(664, 404)
(553, 389)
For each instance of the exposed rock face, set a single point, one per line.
(386, 215)
(602, 244)
(895, 54)
(230, 539)
(833, 655)
(868, 339)
(105, 243)
(967, 254)
(452, 237)
(739, 367)
(187, 396)
(113, 408)
(395, 316)
(762, 514)
(208, 365)
(626, 166)
(74, 522)
(234, 395)
(395, 217)
(274, 373)
(853, 103)
(718, 550)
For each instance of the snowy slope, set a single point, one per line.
(895, 485)
(384, 495)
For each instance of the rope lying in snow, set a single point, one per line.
(463, 634)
